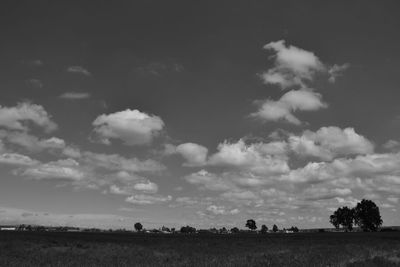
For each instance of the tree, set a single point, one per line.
(138, 226)
(188, 229)
(235, 230)
(264, 229)
(223, 230)
(251, 224)
(367, 216)
(165, 229)
(294, 229)
(275, 228)
(343, 216)
(334, 219)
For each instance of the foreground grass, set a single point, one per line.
(110, 249)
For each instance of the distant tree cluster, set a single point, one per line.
(366, 215)
(188, 230)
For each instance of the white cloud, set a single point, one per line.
(131, 126)
(234, 211)
(259, 158)
(282, 109)
(209, 181)
(75, 95)
(147, 199)
(293, 66)
(16, 118)
(195, 155)
(329, 142)
(17, 159)
(116, 162)
(159, 69)
(72, 152)
(79, 70)
(393, 199)
(320, 193)
(240, 195)
(217, 210)
(148, 187)
(392, 145)
(31, 142)
(127, 177)
(145, 186)
(61, 169)
(337, 71)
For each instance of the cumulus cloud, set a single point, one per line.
(145, 186)
(131, 126)
(194, 154)
(292, 65)
(148, 187)
(259, 158)
(329, 142)
(75, 95)
(321, 193)
(16, 118)
(78, 70)
(17, 159)
(209, 181)
(392, 145)
(31, 142)
(60, 169)
(117, 162)
(282, 109)
(217, 210)
(147, 199)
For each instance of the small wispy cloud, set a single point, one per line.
(34, 83)
(79, 70)
(32, 63)
(75, 95)
(159, 69)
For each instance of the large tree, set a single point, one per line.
(275, 228)
(367, 216)
(138, 226)
(264, 229)
(343, 216)
(251, 224)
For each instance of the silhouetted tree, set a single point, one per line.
(138, 226)
(223, 230)
(165, 229)
(251, 224)
(264, 229)
(188, 229)
(367, 216)
(334, 219)
(275, 228)
(343, 216)
(294, 229)
(235, 230)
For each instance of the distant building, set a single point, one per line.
(8, 228)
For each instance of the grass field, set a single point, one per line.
(114, 249)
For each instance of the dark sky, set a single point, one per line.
(212, 112)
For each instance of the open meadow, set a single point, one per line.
(122, 249)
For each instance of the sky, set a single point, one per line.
(205, 113)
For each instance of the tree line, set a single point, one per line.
(365, 214)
